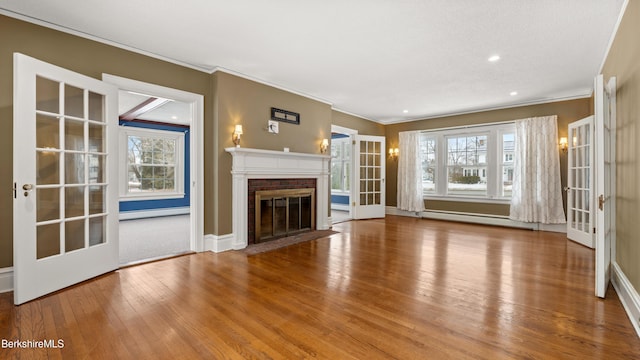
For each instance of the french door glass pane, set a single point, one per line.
(96, 138)
(74, 168)
(96, 107)
(47, 240)
(74, 201)
(96, 168)
(74, 135)
(47, 168)
(370, 177)
(97, 230)
(47, 95)
(47, 132)
(48, 207)
(70, 144)
(74, 235)
(97, 203)
(73, 101)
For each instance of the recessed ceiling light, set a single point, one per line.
(513, 93)
(405, 111)
(494, 58)
(174, 117)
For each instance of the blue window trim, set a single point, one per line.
(139, 205)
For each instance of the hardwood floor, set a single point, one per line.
(391, 288)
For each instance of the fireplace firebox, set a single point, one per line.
(283, 212)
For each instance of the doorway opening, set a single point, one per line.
(160, 171)
(341, 173)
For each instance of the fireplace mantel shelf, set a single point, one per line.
(269, 164)
(273, 153)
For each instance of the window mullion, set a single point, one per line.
(492, 164)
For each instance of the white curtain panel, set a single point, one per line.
(410, 172)
(537, 190)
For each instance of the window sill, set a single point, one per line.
(468, 199)
(152, 197)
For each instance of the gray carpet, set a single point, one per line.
(149, 239)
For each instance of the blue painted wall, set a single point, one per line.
(340, 199)
(138, 205)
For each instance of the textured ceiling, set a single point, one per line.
(371, 58)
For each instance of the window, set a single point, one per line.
(466, 157)
(153, 166)
(468, 163)
(340, 164)
(508, 146)
(428, 154)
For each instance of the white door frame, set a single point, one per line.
(368, 211)
(351, 133)
(196, 147)
(580, 234)
(604, 195)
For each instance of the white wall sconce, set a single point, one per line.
(563, 144)
(236, 135)
(393, 153)
(324, 145)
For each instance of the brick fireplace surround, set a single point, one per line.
(272, 165)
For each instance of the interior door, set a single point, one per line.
(369, 177)
(580, 182)
(604, 110)
(65, 178)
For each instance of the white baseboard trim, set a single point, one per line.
(218, 243)
(628, 295)
(6, 279)
(143, 214)
(484, 219)
(340, 207)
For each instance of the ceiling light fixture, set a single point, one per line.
(494, 58)
(513, 93)
(405, 111)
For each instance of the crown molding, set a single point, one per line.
(267, 83)
(613, 35)
(88, 36)
(479, 110)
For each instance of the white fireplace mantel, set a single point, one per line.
(269, 164)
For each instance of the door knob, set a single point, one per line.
(601, 201)
(566, 188)
(27, 188)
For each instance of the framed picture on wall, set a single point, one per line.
(285, 116)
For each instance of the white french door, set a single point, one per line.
(604, 100)
(580, 182)
(369, 177)
(65, 157)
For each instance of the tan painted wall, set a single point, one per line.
(88, 58)
(241, 101)
(364, 127)
(567, 111)
(623, 62)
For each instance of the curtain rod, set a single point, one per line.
(470, 126)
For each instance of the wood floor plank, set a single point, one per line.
(398, 287)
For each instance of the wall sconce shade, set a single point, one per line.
(393, 153)
(324, 145)
(563, 144)
(236, 135)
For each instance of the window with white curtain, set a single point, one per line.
(468, 163)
